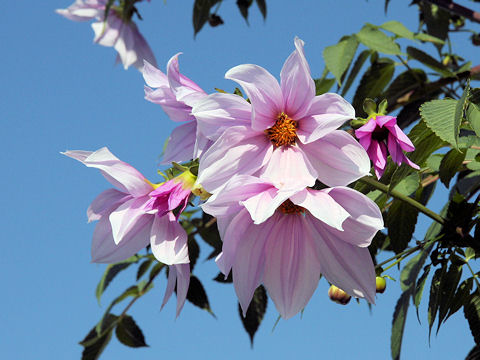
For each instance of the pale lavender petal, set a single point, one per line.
(238, 151)
(327, 113)
(104, 249)
(346, 266)
(217, 112)
(249, 261)
(264, 204)
(321, 205)
(132, 47)
(298, 88)
(338, 158)
(183, 282)
(107, 200)
(154, 77)
(234, 229)
(181, 143)
(118, 173)
(80, 11)
(164, 97)
(107, 33)
(263, 91)
(289, 168)
(292, 269)
(202, 144)
(128, 218)
(184, 89)
(365, 218)
(226, 200)
(171, 282)
(168, 240)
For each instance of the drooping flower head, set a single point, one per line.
(177, 94)
(287, 134)
(381, 136)
(139, 213)
(118, 31)
(286, 239)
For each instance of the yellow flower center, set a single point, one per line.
(289, 207)
(283, 132)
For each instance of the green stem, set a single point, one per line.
(401, 255)
(386, 189)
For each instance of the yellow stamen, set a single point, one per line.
(289, 207)
(283, 132)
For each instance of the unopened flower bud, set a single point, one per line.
(338, 295)
(381, 284)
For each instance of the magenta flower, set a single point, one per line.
(138, 214)
(286, 239)
(176, 94)
(287, 134)
(380, 136)
(117, 32)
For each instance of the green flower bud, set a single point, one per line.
(381, 284)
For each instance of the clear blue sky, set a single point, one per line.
(60, 91)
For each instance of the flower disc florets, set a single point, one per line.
(288, 207)
(283, 132)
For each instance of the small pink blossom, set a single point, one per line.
(138, 214)
(121, 34)
(285, 134)
(286, 239)
(380, 136)
(177, 94)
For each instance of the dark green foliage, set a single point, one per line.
(221, 278)
(398, 324)
(449, 165)
(471, 310)
(128, 332)
(357, 66)
(95, 342)
(143, 268)
(401, 221)
(201, 13)
(197, 295)
(323, 85)
(255, 313)
(193, 251)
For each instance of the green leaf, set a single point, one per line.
(433, 301)
(96, 340)
(243, 6)
(323, 85)
(404, 83)
(156, 270)
(378, 41)
(433, 162)
(193, 251)
(472, 313)
(449, 283)
(439, 115)
(131, 291)
(429, 61)
(375, 79)
(111, 271)
(143, 268)
(128, 333)
(429, 38)
(461, 297)
(196, 294)
(473, 117)
(338, 57)
(398, 324)
(262, 6)
(409, 184)
(436, 19)
(409, 274)
(449, 166)
(357, 65)
(418, 293)
(255, 313)
(469, 253)
(201, 13)
(221, 278)
(398, 29)
(401, 221)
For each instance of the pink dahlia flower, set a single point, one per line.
(380, 136)
(138, 214)
(287, 134)
(286, 239)
(176, 94)
(121, 34)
